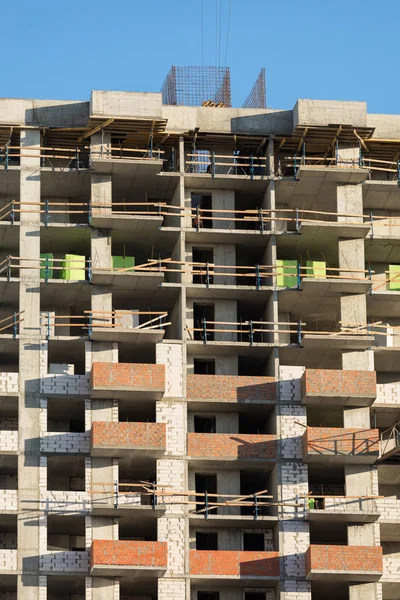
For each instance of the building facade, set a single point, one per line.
(199, 351)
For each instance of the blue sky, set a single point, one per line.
(338, 49)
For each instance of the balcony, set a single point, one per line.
(126, 380)
(345, 388)
(117, 558)
(327, 445)
(341, 509)
(226, 447)
(120, 439)
(344, 563)
(230, 564)
(231, 389)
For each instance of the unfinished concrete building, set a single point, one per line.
(199, 351)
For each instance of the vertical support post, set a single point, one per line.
(213, 165)
(204, 332)
(8, 269)
(297, 220)
(197, 218)
(116, 491)
(372, 225)
(303, 158)
(398, 172)
(46, 269)
(77, 159)
(251, 333)
(337, 152)
(258, 278)
(12, 213)
(261, 219)
(90, 212)
(299, 333)
(90, 325)
(207, 275)
(89, 269)
(46, 213)
(251, 167)
(154, 496)
(298, 276)
(151, 145)
(173, 160)
(15, 326)
(48, 326)
(206, 505)
(7, 159)
(256, 507)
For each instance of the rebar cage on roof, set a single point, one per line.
(257, 97)
(197, 86)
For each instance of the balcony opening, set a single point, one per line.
(66, 473)
(8, 472)
(136, 354)
(8, 532)
(388, 481)
(331, 534)
(66, 416)
(66, 533)
(207, 595)
(252, 482)
(250, 423)
(203, 321)
(145, 589)
(131, 474)
(324, 482)
(60, 588)
(204, 483)
(203, 424)
(203, 367)
(206, 540)
(144, 529)
(136, 412)
(66, 357)
(324, 418)
(255, 595)
(253, 541)
(203, 256)
(335, 590)
(252, 366)
(201, 211)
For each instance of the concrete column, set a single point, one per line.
(349, 202)
(222, 200)
(29, 374)
(172, 473)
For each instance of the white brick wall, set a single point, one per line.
(8, 560)
(290, 419)
(68, 442)
(8, 441)
(173, 531)
(9, 383)
(64, 562)
(289, 384)
(173, 414)
(387, 393)
(296, 590)
(389, 509)
(64, 385)
(171, 589)
(296, 542)
(391, 569)
(171, 356)
(171, 474)
(8, 499)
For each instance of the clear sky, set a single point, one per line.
(334, 50)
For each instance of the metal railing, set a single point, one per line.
(205, 162)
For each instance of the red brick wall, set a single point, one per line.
(329, 382)
(133, 435)
(344, 558)
(126, 375)
(140, 554)
(231, 388)
(230, 563)
(231, 445)
(333, 441)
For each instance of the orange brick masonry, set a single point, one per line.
(105, 434)
(348, 442)
(231, 563)
(344, 558)
(231, 387)
(126, 375)
(126, 553)
(231, 446)
(320, 382)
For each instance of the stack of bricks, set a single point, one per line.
(232, 446)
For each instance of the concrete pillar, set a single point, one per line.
(349, 202)
(172, 473)
(29, 374)
(223, 200)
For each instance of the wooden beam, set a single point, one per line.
(302, 139)
(360, 140)
(95, 129)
